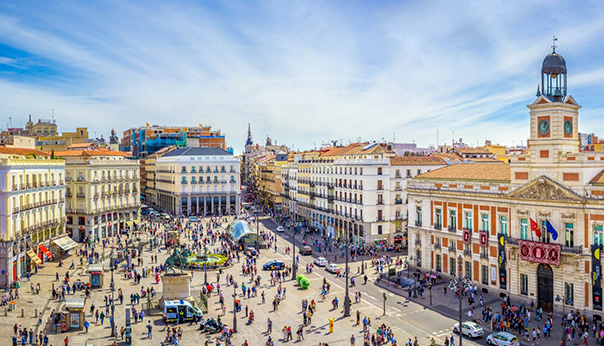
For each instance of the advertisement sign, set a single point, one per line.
(501, 259)
(596, 276)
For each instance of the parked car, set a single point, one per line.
(333, 268)
(469, 329)
(273, 265)
(305, 250)
(280, 229)
(503, 339)
(321, 261)
(251, 251)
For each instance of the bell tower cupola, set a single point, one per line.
(553, 75)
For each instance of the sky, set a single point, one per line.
(301, 72)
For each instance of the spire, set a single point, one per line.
(554, 39)
(249, 140)
(538, 91)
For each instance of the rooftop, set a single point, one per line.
(494, 171)
(21, 151)
(197, 151)
(416, 161)
(94, 152)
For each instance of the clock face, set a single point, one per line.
(543, 127)
(568, 127)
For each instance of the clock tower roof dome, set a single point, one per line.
(553, 63)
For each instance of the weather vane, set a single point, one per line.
(554, 39)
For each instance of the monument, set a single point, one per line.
(176, 286)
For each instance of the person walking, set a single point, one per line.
(149, 330)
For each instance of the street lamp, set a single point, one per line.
(294, 250)
(564, 300)
(112, 267)
(205, 266)
(460, 282)
(347, 297)
(234, 307)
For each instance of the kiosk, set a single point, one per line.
(96, 275)
(75, 309)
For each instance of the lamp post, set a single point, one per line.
(294, 250)
(257, 231)
(460, 282)
(205, 266)
(347, 297)
(234, 307)
(112, 267)
(409, 259)
(363, 257)
(564, 301)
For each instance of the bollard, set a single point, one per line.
(5, 311)
(22, 312)
(36, 314)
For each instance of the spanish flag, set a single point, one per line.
(147, 124)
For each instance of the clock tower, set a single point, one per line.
(554, 114)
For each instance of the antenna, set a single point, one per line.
(554, 39)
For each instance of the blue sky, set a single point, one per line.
(301, 72)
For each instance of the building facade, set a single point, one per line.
(198, 181)
(145, 140)
(32, 209)
(531, 228)
(102, 193)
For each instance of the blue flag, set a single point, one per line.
(551, 229)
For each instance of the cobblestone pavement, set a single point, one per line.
(407, 318)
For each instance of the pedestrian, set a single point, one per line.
(149, 330)
(452, 341)
(352, 340)
(86, 325)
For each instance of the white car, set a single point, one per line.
(321, 261)
(469, 329)
(333, 268)
(280, 229)
(503, 339)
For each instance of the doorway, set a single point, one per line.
(545, 287)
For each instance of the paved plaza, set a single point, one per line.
(407, 319)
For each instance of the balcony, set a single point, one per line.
(68, 179)
(467, 252)
(572, 249)
(512, 241)
(452, 248)
(484, 255)
(437, 226)
(16, 210)
(81, 178)
(452, 229)
(398, 201)
(398, 188)
(68, 194)
(81, 195)
(437, 246)
(418, 242)
(418, 223)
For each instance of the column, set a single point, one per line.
(212, 197)
(237, 203)
(205, 207)
(228, 206)
(219, 204)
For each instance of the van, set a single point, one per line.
(173, 308)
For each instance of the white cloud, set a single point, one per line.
(301, 72)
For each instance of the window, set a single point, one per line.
(598, 232)
(503, 225)
(569, 293)
(184, 169)
(379, 170)
(379, 229)
(437, 264)
(379, 216)
(524, 284)
(380, 199)
(468, 268)
(545, 236)
(398, 173)
(485, 222)
(523, 229)
(468, 224)
(569, 238)
(485, 275)
(419, 171)
(453, 220)
(439, 219)
(379, 185)
(184, 180)
(408, 173)
(418, 216)
(452, 266)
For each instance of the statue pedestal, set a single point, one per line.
(176, 286)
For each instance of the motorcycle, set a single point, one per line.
(210, 325)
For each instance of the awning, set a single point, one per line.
(34, 257)
(129, 223)
(46, 252)
(65, 243)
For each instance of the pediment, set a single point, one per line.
(570, 100)
(540, 100)
(544, 188)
